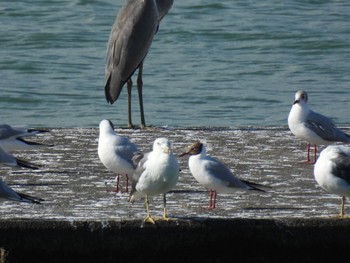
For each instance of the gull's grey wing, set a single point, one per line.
(6, 131)
(126, 149)
(8, 159)
(342, 167)
(222, 172)
(139, 160)
(325, 128)
(8, 193)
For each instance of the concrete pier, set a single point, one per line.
(82, 220)
(185, 240)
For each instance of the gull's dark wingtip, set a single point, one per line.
(26, 164)
(30, 199)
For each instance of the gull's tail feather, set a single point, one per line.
(256, 186)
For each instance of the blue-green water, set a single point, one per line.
(223, 63)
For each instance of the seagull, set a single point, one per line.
(7, 193)
(332, 172)
(313, 127)
(116, 152)
(213, 174)
(129, 41)
(9, 160)
(11, 138)
(157, 172)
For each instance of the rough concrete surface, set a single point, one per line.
(81, 216)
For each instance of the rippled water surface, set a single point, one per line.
(224, 63)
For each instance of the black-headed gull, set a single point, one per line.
(157, 172)
(213, 174)
(11, 138)
(313, 127)
(332, 172)
(7, 193)
(116, 152)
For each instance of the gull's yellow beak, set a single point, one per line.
(167, 149)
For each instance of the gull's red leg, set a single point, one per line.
(126, 184)
(308, 161)
(315, 154)
(117, 185)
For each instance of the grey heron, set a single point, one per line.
(129, 41)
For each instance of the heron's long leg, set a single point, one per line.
(139, 88)
(129, 103)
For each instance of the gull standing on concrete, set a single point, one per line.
(157, 172)
(129, 41)
(214, 175)
(116, 152)
(7, 193)
(11, 138)
(332, 172)
(313, 127)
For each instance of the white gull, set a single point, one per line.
(11, 138)
(116, 152)
(313, 127)
(157, 172)
(213, 174)
(332, 172)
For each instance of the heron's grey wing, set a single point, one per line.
(130, 39)
(164, 7)
(342, 167)
(222, 172)
(325, 128)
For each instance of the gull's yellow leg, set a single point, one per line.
(148, 218)
(341, 215)
(164, 209)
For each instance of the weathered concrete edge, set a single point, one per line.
(182, 239)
